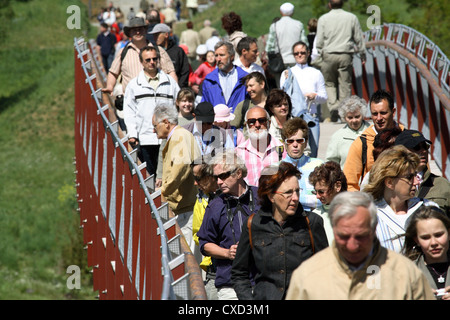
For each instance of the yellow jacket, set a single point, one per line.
(197, 219)
(178, 187)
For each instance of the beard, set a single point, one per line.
(261, 135)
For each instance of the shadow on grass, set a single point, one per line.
(6, 102)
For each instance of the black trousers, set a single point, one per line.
(149, 154)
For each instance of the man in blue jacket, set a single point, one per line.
(223, 85)
(224, 216)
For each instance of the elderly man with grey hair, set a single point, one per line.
(356, 266)
(223, 85)
(352, 110)
(179, 152)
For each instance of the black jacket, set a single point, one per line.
(277, 252)
(180, 62)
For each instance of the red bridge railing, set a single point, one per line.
(416, 71)
(133, 242)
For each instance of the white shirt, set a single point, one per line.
(309, 80)
(252, 68)
(227, 82)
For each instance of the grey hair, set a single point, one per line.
(166, 111)
(230, 161)
(352, 104)
(344, 204)
(229, 45)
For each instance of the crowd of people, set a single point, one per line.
(231, 138)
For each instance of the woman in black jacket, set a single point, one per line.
(279, 237)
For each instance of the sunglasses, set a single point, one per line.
(299, 141)
(409, 178)
(252, 122)
(320, 192)
(421, 146)
(151, 59)
(299, 53)
(224, 175)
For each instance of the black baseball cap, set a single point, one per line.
(204, 112)
(410, 139)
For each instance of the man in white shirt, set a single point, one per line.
(312, 85)
(283, 33)
(247, 49)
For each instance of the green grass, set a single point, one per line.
(40, 237)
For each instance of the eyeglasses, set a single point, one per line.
(224, 175)
(151, 59)
(252, 122)
(409, 178)
(291, 141)
(289, 193)
(300, 53)
(197, 178)
(320, 192)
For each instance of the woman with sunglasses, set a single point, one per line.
(278, 238)
(427, 243)
(328, 180)
(392, 184)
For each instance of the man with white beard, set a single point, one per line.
(260, 149)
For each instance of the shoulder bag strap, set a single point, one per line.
(310, 234)
(249, 226)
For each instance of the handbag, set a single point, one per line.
(276, 64)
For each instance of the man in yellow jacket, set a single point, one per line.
(360, 156)
(356, 266)
(177, 187)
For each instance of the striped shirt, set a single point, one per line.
(391, 227)
(255, 162)
(130, 67)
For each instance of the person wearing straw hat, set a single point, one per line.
(127, 63)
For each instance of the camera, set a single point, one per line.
(440, 292)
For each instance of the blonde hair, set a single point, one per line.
(391, 163)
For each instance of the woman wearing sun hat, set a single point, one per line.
(222, 119)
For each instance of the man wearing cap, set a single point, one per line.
(161, 34)
(339, 37)
(210, 138)
(223, 85)
(127, 62)
(150, 88)
(283, 34)
(247, 50)
(432, 187)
